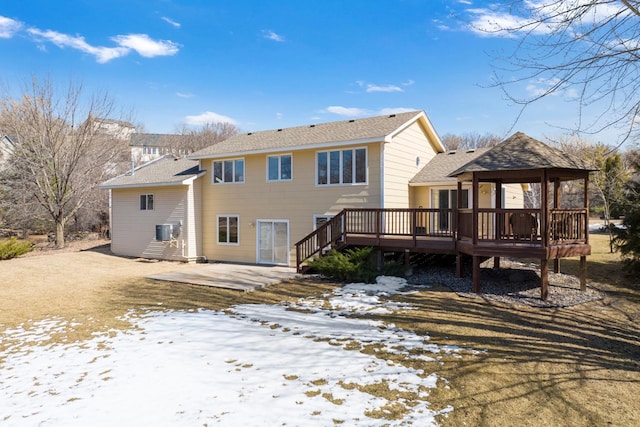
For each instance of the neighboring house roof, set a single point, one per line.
(439, 168)
(166, 170)
(521, 152)
(154, 139)
(371, 129)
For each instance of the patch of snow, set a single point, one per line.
(256, 365)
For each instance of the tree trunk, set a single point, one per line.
(59, 233)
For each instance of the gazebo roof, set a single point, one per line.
(521, 152)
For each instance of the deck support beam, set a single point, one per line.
(583, 273)
(544, 278)
(556, 265)
(476, 274)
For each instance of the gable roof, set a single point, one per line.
(163, 171)
(370, 129)
(439, 168)
(521, 152)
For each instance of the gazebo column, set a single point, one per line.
(459, 265)
(499, 220)
(544, 231)
(556, 205)
(583, 258)
(474, 215)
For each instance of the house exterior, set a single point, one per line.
(156, 211)
(6, 149)
(252, 197)
(146, 147)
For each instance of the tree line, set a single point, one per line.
(55, 154)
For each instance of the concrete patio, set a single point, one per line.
(240, 277)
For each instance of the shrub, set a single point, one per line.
(12, 248)
(353, 265)
(350, 265)
(627, 240)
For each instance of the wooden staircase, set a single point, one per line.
(329, 235)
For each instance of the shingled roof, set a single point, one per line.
(521, 152)
(356, 130)
(163, 171)
(439, 168)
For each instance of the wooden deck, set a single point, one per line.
(493, 233)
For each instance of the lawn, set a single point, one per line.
(494, 364)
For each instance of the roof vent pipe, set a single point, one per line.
(133, 167)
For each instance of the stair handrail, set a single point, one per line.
(328, 234)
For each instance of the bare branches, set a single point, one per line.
(61, 155)
(587, 52)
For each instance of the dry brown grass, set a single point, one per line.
(576, 366)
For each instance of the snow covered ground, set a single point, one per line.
(257, 365)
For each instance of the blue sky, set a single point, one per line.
(272, 64)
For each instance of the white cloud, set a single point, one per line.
(141, 43)
(387, 88)
(184, 95)
(102, 54)
(8, 27)
(270, 35)
(540, 17)
(346, 111)
(395, 110)
(146, 46)
(171, 22)
(208, 117)
(370, 87)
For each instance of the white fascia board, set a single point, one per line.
(430, 129)
(322, 145)
(187, 181)
(433, 183)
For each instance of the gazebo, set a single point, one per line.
(545, 232)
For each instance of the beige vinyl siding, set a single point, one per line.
(404, 156)
(514, 196)
(297, 201)
(133, 230)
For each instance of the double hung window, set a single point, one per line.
(146, 202)
(342, 167)
(228, 171)
(228, 232)
(279, 168)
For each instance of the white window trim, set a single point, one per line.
(218, 242)
(279, 157)
(283, 220)
(244, 172)
(147, 202)
(328, 184)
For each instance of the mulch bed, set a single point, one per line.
(514, 283)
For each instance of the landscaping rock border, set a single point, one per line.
(513, 283)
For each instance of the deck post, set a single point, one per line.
(476, 274)
(544, 277)
(556, 265)
(459, 266)
(496, 262)
(583, 273)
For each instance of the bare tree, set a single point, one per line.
(189, 139)
(60, 154)
(470, 140)
(585, 49)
